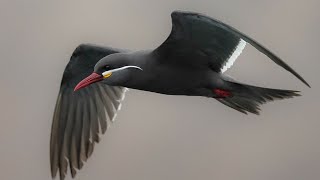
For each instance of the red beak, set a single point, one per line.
(94, 77)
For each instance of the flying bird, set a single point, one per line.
(191, 62)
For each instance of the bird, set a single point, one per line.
(190, 62)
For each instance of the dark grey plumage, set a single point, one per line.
(189, 62)
(78, 115)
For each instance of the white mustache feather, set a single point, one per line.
(121, 68)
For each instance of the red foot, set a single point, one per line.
(222, 93)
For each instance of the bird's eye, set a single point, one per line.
(107, 67)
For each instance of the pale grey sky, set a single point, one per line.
(156, 136)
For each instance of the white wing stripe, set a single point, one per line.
(234, 55)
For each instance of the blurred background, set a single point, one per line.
(157, 136)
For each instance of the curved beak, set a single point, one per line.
(94, 77)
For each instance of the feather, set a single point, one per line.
(78, 115)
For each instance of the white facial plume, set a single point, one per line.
(109, 72)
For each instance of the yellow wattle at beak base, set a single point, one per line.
(107, 75)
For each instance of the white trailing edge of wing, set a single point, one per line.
(236, 53)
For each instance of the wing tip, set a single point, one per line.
(305, 82)
(298, 76)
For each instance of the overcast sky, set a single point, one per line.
(159, 137)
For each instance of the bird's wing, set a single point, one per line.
(80, 116)
(199, 40)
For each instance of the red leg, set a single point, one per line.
(222, 93)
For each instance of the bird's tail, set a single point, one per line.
(247, 98)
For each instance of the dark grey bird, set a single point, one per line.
(191, 62)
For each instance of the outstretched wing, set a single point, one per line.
(80, 116)
(201, 41)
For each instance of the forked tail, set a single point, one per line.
(247, 98)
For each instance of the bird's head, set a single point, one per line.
(114, 69)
